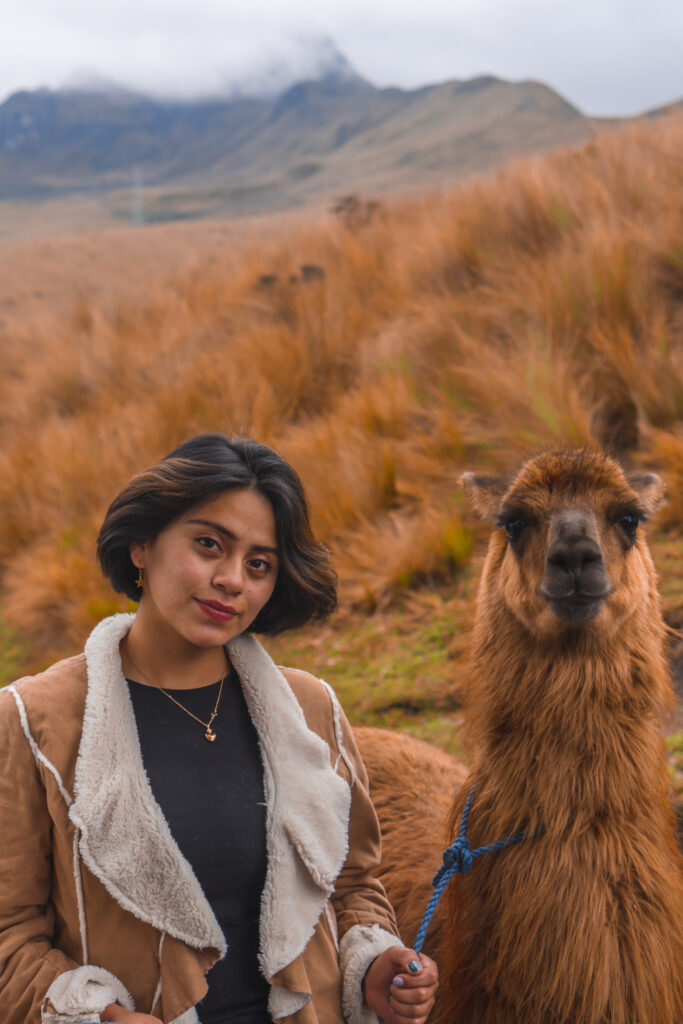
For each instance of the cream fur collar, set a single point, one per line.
(126, 842)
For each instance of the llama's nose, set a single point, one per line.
(573, 543)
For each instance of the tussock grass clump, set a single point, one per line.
(541, 307)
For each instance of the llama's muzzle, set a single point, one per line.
(575, 582)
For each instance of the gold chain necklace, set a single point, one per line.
(209, 735)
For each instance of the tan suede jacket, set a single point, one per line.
(98, 904)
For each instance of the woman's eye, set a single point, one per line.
(260, 565)
(210, 543)
(629, 524)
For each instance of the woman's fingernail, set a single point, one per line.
(398, 980)
(414, 966)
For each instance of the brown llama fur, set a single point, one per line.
(414, 782)
(583, 922)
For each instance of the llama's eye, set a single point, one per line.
(629, 524)
(513, 528)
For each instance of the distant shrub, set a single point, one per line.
(355, 212)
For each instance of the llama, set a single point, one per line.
(582, 921)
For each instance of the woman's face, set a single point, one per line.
(208, 575)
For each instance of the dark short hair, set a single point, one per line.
(198, 471)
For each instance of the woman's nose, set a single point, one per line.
(230, 575)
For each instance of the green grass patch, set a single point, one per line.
(397, 669)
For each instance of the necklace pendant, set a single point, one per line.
(210, 735)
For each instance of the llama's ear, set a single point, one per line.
(485, 493)
(650, 489)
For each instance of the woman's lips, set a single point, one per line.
(217, 611)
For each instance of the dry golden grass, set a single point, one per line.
(463, 330)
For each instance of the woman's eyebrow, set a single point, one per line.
(229, 534)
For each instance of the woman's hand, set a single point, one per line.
(118, 1015)
(401, 985)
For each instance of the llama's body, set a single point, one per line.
(412, 782)
(582, 923)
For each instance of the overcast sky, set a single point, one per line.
(605, 56)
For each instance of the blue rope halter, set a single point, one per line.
(458, 859)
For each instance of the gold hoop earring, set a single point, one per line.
(140, 581)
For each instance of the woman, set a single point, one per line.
(187, 833)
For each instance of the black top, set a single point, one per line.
(213, 800)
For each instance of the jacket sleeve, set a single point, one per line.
(38, 983)
(365, 918)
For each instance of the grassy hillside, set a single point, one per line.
(382, 351)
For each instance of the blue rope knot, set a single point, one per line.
(457, 860)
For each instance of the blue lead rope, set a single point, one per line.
(457, 859)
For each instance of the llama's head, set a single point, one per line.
(567, 554)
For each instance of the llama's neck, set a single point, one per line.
(567, 733)
(581, 921)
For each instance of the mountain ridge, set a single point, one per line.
(245, 154)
